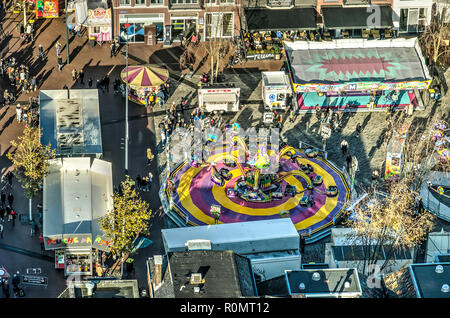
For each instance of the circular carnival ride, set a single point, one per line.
(227, 189)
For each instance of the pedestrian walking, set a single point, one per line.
(150, 156)
(74, 74)
(191, 69)
(60, 63)
(3, 198)
(163, 138)
(8, 213)
(5, 287)
(33, 83)
(90, 82)
(41, 242)
(2, 213)
(106, 82)
(358, 129)
(349, 161)
(150, 180)
(13, 217)
(113, 49)
(58, 49)
(344, 146)
(9, 176)
(19, 113)
(138, 182)
(32, 227)
(41, 52)
(1, 230)
(81, 76)
(10, 199)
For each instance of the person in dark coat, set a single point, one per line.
(90, 82)
(2, 213)
(349, 161)
(9, 175)
(3, 198)
(10, 199)
(81, 77)
(106, 82)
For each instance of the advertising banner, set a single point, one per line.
(360, 86)
(47, 9)
(77, 240)
(99, 17)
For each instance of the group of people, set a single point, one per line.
(174, 119)
(158, 96)
(19, 79)
(15, 281)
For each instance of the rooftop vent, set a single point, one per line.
(315, 276)
(301, 286)
(196, 289)
(445, 288)
(346, 285)
(439, 269)
(196, 278)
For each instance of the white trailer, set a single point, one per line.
(225, 99)
(275, 89)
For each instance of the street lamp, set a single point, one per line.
(67, 37)
(126, 110)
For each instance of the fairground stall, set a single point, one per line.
(357, 73)
(267, 27)
(143, 80)
(99, 22)
(219, 97)
(76, 194)
(394, 154)
(275, 89)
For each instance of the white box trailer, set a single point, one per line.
(275, 88)
(225, 99)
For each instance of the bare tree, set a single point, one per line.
(435, 39)
(217, 46)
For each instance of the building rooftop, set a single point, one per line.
(336, 282)
(102, 289)
(438, 243)
(431, 280)
(70, 121)
(223, 274)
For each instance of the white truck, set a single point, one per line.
(275, 89)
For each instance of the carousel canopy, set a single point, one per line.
(145, 75)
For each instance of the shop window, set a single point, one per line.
(226, 1)
(219, 25)
(132, 32)
(124, 3)
(156, 2)
(227, 24)
(403, 26)
(210, 2)
(139, 2)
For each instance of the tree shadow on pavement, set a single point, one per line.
(51, 45)
(8, 122)
(43, 77)
(77, 50)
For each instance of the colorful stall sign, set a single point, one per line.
(360, 86)
(101, 243)
(77, 240)
(47, 9)
(99, 16)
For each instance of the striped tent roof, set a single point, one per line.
(145, 75)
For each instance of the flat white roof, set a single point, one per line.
(241, 237)
(275, 78)
(75, 195)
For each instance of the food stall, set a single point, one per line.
(99, 22)
(394, 154)
(70, 218)
(275, 89)
(215, 98)
(143, 80)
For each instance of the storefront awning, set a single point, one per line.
(355, 18)
(219, 98)
(280, 20)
